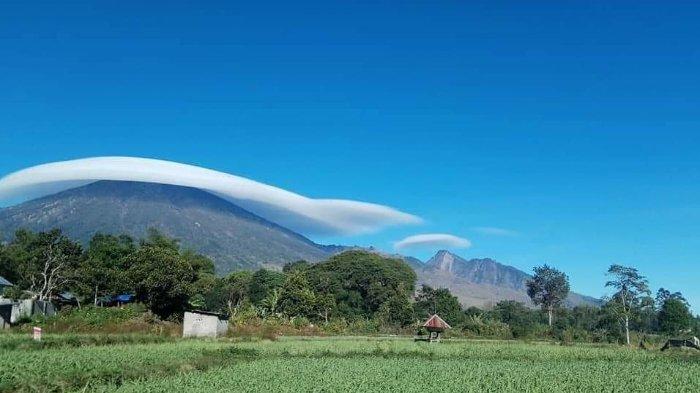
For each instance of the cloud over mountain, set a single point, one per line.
(297, 212)
(432, 240)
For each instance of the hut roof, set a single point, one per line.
(436, 322)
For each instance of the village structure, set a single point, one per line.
(204, 324)
(435, 326)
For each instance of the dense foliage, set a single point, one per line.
(352, 292)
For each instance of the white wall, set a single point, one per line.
(202, 325)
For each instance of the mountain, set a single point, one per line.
(233, 237)
(482, 282)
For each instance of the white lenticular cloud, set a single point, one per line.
(433, 240)
(493, 231)
(294, 211)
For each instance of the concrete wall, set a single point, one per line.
(203, 325)
(222, 327)
(24, 309)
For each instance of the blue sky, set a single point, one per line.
(573, 124)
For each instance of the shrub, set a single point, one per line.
(476, 326)
(132, 318)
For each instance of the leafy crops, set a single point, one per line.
(345, 364)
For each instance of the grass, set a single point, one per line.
(342, 364)
(20, 341)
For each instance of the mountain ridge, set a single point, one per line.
(235, 238)
(480, 281)
(232, 236)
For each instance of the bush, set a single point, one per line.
(365, 326)
(132, 318)
(300, 322)
(476, 326)
(570, 335)
(15, 293)
(336, 326)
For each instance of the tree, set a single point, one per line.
(228, 294)
(548, 288)
(396, 311)
(297, 298)
(438, 301)
(325, 304)
(664, 294)
(103, 270)
(44, 262)
(519, 318)
(297, 265)
(238, 289)
(8, 268)
(270, 304)
(362, 282)
(630, 287)
(263, 283)
(674, 316)
(156, 238)
(206, 282)
(584, 318)
(162, 278)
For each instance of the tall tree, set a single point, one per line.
(102, 271)
(630, 287)
(362, 281)
(325, 304)
(263, 283)
(548, 288)
(675, 316)
(664, 294)
(7, 265)
(238, 289)
(520, 319)
(438, 301)
(396, 311)
(45, 262)
(297, 298)
(165, 279)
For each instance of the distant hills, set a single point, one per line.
(235, 238)
(482, 282)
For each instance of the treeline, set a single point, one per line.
(354, 288)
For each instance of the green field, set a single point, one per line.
(137, 364)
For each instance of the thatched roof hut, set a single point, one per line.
(436, 324)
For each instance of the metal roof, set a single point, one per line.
(435, 322)
(4, 282)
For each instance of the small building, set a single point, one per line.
(204, 324)
(435, 326)
(66, 299)
(124, 298)
(13, 311)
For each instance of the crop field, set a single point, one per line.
(133, 364)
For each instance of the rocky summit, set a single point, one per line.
(482, 282)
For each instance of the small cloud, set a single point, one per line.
(493, 231)
(433, 240)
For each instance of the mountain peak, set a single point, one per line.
(480, 281)
(481, 271)
(231, 236)
(443, 260)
